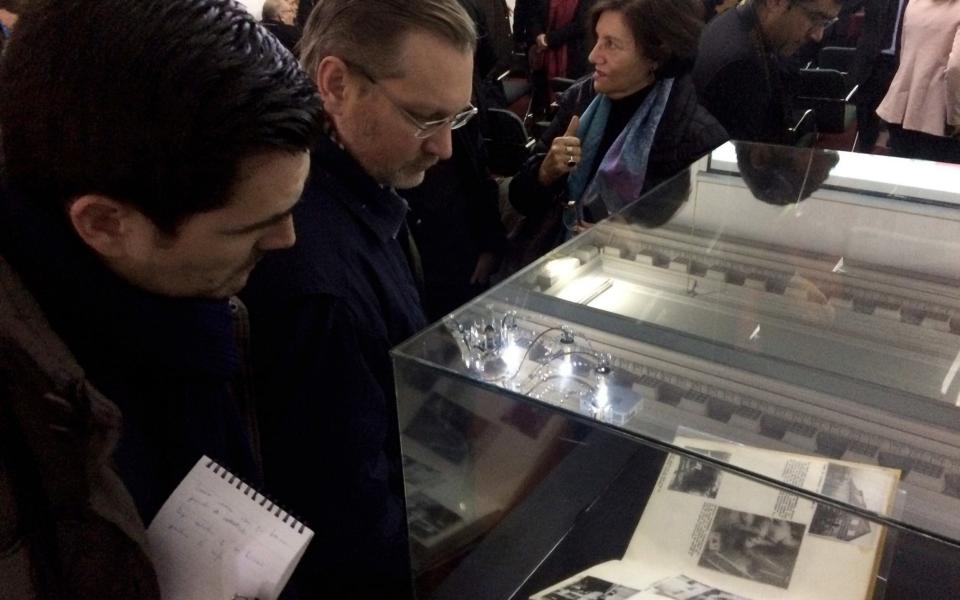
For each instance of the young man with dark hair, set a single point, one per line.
(737, 72)
(395, 78)
(153, 152)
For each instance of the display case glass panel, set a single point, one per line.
(786, 320)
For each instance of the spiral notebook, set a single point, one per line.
(218, 538)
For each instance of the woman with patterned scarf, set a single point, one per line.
(630, 125)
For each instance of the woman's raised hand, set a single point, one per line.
(564, 154)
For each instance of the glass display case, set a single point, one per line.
(742, 386)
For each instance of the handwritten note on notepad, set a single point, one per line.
(215, 538)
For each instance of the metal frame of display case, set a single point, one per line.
(805, 350)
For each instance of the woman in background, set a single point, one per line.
(558, 48)
(639, 121)
(922, 106)
(559, 32)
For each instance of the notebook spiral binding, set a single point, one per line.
(250, 492)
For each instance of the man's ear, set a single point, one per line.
(333, 83)
(111, 228)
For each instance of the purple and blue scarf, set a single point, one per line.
(619, 179)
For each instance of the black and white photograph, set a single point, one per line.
(682, 587)
(418, 474)
(428, 518)
(448, 429)
(592, 588)
(715, 594)
(841, 483)
(698, 478)
(753, 547)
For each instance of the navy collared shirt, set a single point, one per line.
(324, 316)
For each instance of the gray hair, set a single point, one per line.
(271, 9)
(370, 32)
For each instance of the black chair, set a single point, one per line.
(507, 142)
(827, 93)
(514, 86)
(516, 83)
(838, 59)
(804, 131)
(558, 85)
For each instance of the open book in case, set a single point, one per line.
(744, 386)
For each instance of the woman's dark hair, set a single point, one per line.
(668, 31)
(154, 103)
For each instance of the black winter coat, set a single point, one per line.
(326, 313)
(740, 84)
(68, 526)
(686, 132)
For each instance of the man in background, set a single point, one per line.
(279, 18)
(738, 70)
(454, 213)
(395, 78)
(497, 15)
(153, 152)
(875, 64)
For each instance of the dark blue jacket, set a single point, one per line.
(739, 81)
(324, 315)
(172, 365)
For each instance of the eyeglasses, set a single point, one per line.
(818, 20)
(424, 129)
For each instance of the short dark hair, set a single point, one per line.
(668, 31)
(370, 32)
(153, 103)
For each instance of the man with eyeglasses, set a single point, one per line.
(395, 78)
(738, 70)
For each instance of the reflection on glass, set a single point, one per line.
(769, 298)
(782, 175)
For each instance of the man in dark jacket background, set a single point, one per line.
(738, 74)
(875, 64)
(278, 18)
(454, 214)
(153, 151)
(395, 78)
